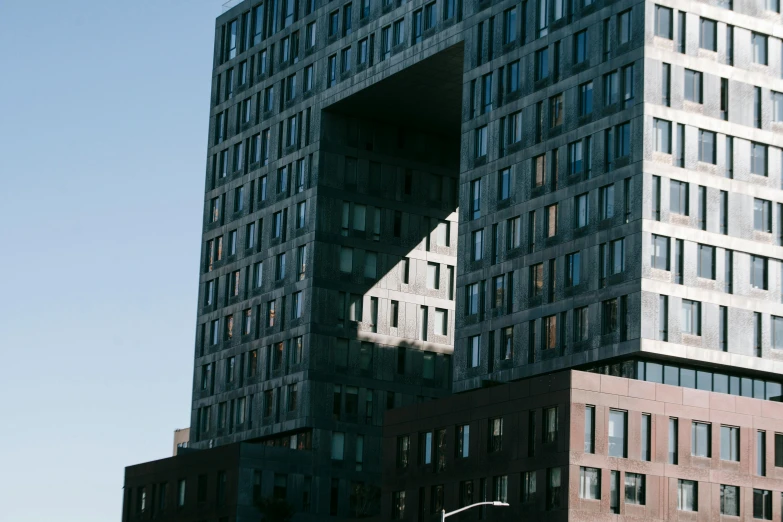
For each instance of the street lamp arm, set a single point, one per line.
(495, 503)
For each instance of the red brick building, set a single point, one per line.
(584, 446)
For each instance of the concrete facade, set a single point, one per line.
(502, 468)
(407, 199)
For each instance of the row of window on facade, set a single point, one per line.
(611, 260)
(349, 404)
(242, 325)
(687, 493)
(253, 152)
(264, 20)
(550, 333)
(340, 24)
(154, 498)
(289, 180)
(432, 451)
(617, 87)
(433, 445)
(665, 18)
(667, 142)
(706, 263)
(699, 378)
(253, 236)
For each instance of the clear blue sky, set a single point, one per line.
(103, 127)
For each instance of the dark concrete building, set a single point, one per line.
(405, 199)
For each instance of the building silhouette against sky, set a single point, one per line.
(409, 199)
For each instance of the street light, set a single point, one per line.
(443, 513)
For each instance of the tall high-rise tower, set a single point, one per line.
(537, 185)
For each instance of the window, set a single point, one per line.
(663, 22)
(430, 16)
(481, 142)
(486, 93)
(504, 184)
(580, 47)
(509, 25)
(757, 107)
(370, 265)
(777, 342)
(706, 267)
(585, 99)
(528, 486)
(550, 220)
(580, 210)
(624, 27)
(500, 489)
(691, 317)
(617, 433)
(403, 451)
(678, 199)
(575, 158)
(398, 505)
(331, 77)
(758, 159)
(758, 272)
(687, 495)
(762, 215)
(474, 351)
(449, 9)
(589, 429)
(708, 34)
(693, 86)
(609, 317)
(673, 441)
(399, 31)
(606, 201)
(553, 489)
(762, 504)
(663, 135)
(777, 106)
(573, 268)
(611, 88)
(345, 60)
(463, 441)
(475, 199)
(556, 110)
(363, 54)
(550, 425)
(706, 146)
(701, 433)
(477, 241)
(729, 443)
(581, 330)
(541, 64)
(729, 500)
(495, 441)
(543, 18)
(634, 488)
(346, 260)
(181, 484)
(660, 252)
(338, 445)
(513, 77)
(589, 483)
(425, 448)
(472, 298)
(758, 44)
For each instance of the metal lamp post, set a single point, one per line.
(443, 513)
